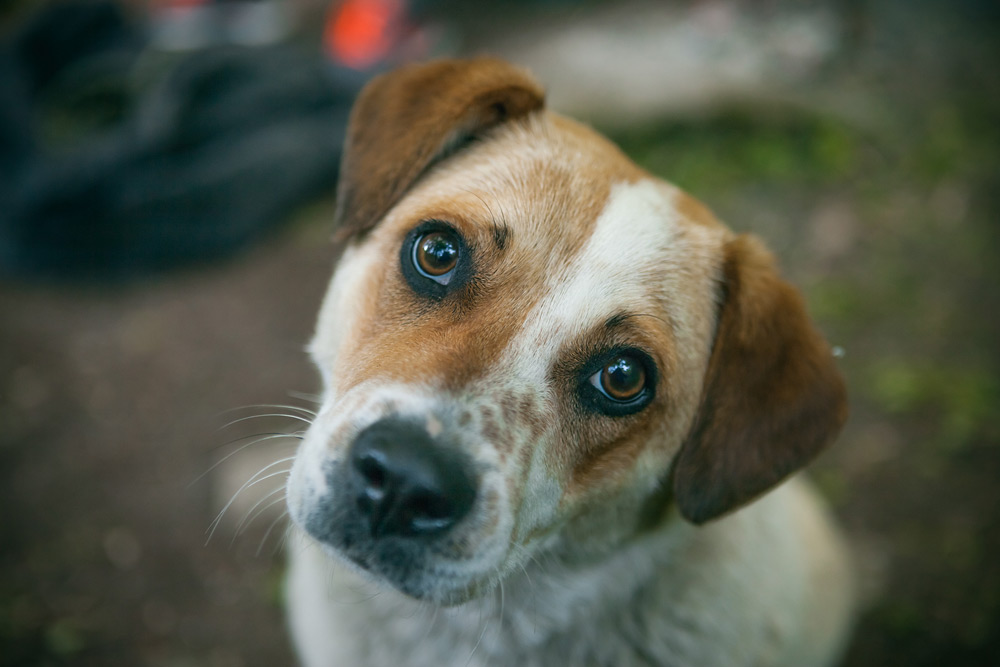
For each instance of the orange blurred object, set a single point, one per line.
(179, 4)
(362, 32)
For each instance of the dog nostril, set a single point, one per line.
(374, 474)
(430, 512)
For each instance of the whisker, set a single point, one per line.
(267, 533)
(262, 416)
(283, 542)
(288, 434)
(297, 435)
(533, 558)
(247, 519)
(250, 482)
(281, 406)
(486, 624)
(430, 626)
(311, 398)
(260, 500)
(370, 594)
(500, 618)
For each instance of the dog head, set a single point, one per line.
(531, 343)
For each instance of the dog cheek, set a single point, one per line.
(308, 482)
(300, 490)
(351, 298)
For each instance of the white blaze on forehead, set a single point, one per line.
(629, 248)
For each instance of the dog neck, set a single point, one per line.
(537, 609)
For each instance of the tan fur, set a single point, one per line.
(581, 546)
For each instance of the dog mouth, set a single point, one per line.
(429, 573)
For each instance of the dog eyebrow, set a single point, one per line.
(621, 318)
(501, 235)
(617, 320)
(501, 232)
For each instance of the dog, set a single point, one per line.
(562, 404)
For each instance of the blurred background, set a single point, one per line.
(166, 181)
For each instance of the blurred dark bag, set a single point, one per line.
(106, 173)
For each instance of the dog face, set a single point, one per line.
(529, 344)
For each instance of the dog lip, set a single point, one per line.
(414, 579)
(358, 560)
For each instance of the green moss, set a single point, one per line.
(734, 148)
(961, 401)
(838, 301)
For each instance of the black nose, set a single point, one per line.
(405, 483)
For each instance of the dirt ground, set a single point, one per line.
(877, 186)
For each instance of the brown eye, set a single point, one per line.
(622, 379)
(435, 255)
(619, 382)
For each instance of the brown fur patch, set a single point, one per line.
(508, 408)
(528, 413)
(491, 429)
(406, 119)
(773, 396)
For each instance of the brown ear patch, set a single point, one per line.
(773, 397)
(407, 119)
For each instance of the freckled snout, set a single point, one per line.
(405, 483)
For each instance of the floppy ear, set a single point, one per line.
(406, 120)
(773, 397)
